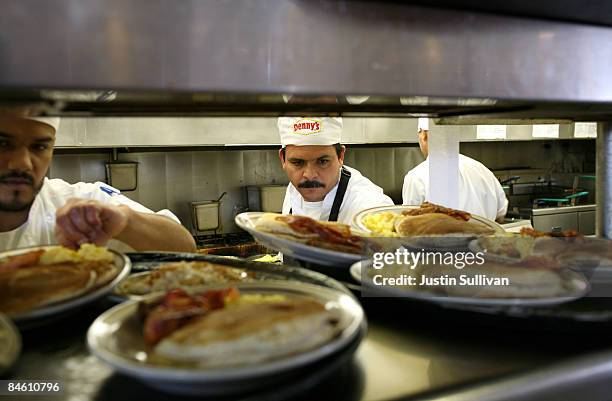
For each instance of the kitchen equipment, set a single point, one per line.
(122, 175)
(511, 180)
(205, 215)
(580, 218)
(561, 201)
(241, 250)
(266, 198)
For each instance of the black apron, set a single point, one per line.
(345, 176)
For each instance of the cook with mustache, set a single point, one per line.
(321, 186)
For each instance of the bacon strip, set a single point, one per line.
(427, 208)
(325, 233)
(535, 233)
(177, 308)
(25, 260)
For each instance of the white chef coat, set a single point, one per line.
(361, 193)
(40, 226)
(480, 193)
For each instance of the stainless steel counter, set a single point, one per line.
(580, 218)
(564, 209)
(414, 350)
(427, 352)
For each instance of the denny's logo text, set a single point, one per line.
(307, 127)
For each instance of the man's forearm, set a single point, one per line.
(151, 232)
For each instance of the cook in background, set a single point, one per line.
(36, 210)
(480, 192)
(321, 186)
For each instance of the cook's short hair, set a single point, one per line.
(337, 147)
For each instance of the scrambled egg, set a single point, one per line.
(268, 259)
(254, 299)
(382, 224)
(86, 253)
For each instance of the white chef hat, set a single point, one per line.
(302, 131)
(51, 121)
(423, 124)
(29, 112)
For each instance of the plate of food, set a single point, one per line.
(10, 344)
(41, 282)
(568, 248)
(532, 282)
(183, 274)
(225, 339)
(303, 238)
(426, 226)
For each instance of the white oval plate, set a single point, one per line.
(116, 338)
(475, 247)
(121, 296)
(451, 241)
(580, 287)
(10, 344)
(296, 250)
(598, 269)
(121, 261)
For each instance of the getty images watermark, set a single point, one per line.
(409, 268)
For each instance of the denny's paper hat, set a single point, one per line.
(303, 131)
(52, 121)
(423, 124)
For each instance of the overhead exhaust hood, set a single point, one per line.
(276, 57)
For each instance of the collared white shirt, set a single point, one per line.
(361, 193)
(480, 193)
(40, 227)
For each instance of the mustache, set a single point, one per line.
(311, 184)
(18, 174)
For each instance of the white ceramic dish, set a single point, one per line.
(10, 344)
(442, 242)
(296, 250)
(598, 269)
(48, 311)
(116, 338)
(578, 286)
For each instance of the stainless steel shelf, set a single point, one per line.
(152, 57)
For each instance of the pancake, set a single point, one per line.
(435, 224)
(105, 272)
(32, 287)
(252, 333)
(524, 282)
